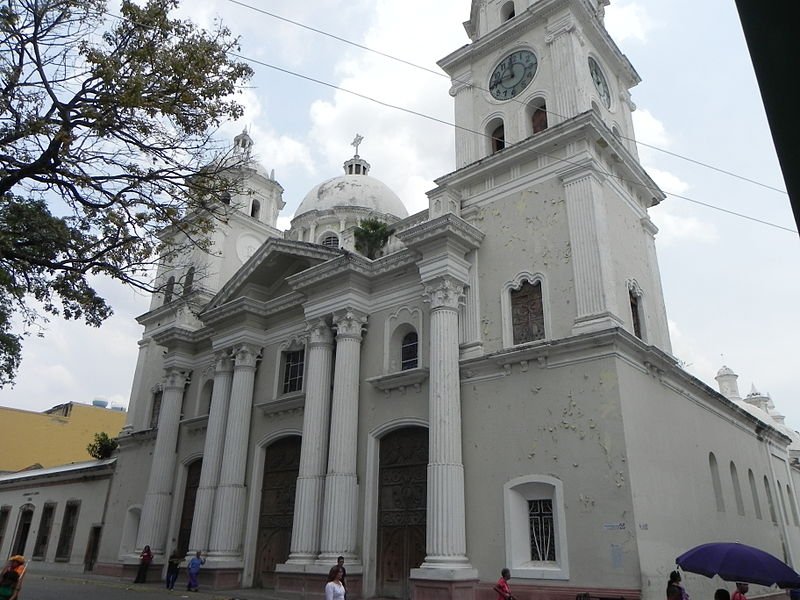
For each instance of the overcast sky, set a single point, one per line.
(731, 285)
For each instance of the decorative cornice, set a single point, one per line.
(447, 225)
(400, 380)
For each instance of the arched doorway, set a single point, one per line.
(187, 511)
(402, 498)
(23, 529)
(281, 467)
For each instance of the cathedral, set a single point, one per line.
(492, 387)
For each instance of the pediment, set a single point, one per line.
(263, 276)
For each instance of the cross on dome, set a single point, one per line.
(356, 165)
(357, 142)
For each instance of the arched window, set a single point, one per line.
(527, 313)
(754, 492)
(792, 504)
(188, 281)
(507, 12)
(498, 137)
(169, 290)
(537, 110)
(255, 209)
(737, 489)
(772, 514)
(330, 240)
(409, 351)
(716, 482)
(782, 501)
(155, 409)
(204, 406)
(637, 313)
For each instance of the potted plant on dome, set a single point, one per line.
(371, 236)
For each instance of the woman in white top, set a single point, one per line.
(334, 590)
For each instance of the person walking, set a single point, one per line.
(501, 587)
(173, 567)
(193, 569)
(741, 590)
(340, 564)
(145, 558)
(675, 591)
(334, 589)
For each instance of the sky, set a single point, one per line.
(730, 284)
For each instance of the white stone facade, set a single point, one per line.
(414, 413)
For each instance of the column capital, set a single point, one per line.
(223, 361)
(561, 27)
(349, 323)
(246, 356)
(444, 292)
(175, 378)
(319, 333)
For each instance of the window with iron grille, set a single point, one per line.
(43, 536)
(330, 241)
(293, 363)
(527, 313)
(542, 532)
(409, 351)
(68, 526)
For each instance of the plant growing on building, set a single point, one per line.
(371, 236)
(106, 139)
(102, 447)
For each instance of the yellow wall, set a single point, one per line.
(27, 438)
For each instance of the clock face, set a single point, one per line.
(600, 82)
(513, 74)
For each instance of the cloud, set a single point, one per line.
(628, 21)
(649, 129)
(675, 228)
(686, 349)
(396, 143)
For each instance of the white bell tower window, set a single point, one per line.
(507, 12)
(496, 133)
(255, 209)
(537, 111)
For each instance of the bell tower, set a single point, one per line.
(544, 145)
(531, 65)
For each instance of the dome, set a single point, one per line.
(355, 189)
(352, 191)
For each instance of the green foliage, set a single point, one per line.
(371, 236)
(102, 447)
(106, 139)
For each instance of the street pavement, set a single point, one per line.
(55, 587)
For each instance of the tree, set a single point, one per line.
(371, 236)
(102, 447)
(106, 138)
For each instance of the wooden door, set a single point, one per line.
(187, 511)
(402, 497)
(281, 467)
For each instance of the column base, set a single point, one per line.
(592, 323)
(443, 584)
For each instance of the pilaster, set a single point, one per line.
(654, 303)
(593, 268)
(212, 451)
(310, 490)
(341, 483)
(137, 403)
(229, 500)
(569, 95)
(158, 498)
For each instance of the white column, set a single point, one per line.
(341, 482)
(593, 268)
(446, 541)
(314, 452)
(229, 501)
(158, 499)
(137, 403)
(212, 452)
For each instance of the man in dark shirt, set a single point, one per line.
(340, 564)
